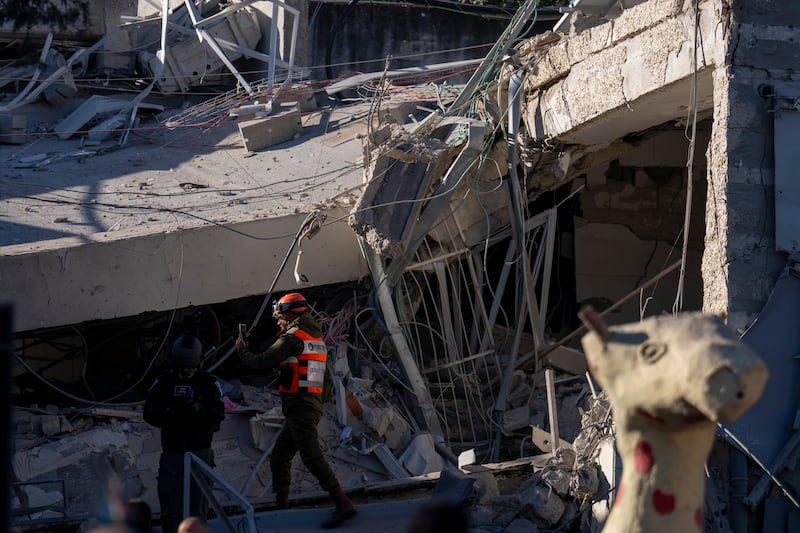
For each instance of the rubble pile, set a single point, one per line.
(69, 461)
(564, 490)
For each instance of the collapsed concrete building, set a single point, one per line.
(636, 160)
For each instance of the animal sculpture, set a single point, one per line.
(670, 380)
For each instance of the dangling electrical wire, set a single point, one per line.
(110, 401)
(309, 229)
(310, 226)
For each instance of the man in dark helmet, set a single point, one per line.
(186, 403)
(301, 357)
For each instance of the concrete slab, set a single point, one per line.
(648, 74)
(274, 129)
(174, 217)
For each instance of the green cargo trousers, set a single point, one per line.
(170, 489)
(299, 434)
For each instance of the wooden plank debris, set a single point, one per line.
(552, 409)
(115, 413)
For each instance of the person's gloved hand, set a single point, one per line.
(187, 407)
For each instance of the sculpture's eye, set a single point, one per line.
(650, 352)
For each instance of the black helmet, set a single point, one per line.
(186, 352)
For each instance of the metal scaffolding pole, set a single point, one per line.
(426, 414)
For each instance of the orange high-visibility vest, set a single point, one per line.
(304, 374)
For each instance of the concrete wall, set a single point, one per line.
(740, 264)
(629, 228)
(623, 76)
(614, 97)
(103, 16)
(359, 39)
(646, 58)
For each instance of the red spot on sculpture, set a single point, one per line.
(663, 502)
(698, 518)
(643, 457)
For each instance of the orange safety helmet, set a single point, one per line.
(292, 302)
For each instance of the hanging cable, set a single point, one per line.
(110, 401)
(677, 306)
(725, 433)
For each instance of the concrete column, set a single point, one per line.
(740, 263)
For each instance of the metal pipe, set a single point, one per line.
(552, 408)
(738, 515)
(458, 362)
(511, 186)
(296, 239)
(765, 483)
(426, 414)
(503, 43)
(517, 225)
(198, 469)
(500, 288)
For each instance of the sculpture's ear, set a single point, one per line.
(594, 323)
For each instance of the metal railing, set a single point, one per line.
(195, 468)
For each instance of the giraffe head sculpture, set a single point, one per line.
(670, 379)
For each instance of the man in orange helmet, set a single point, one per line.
(301, 357)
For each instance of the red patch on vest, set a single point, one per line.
(698, 518)
(643, 457)
(663, 503)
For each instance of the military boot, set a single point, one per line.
(281, 501)
(344, 509)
